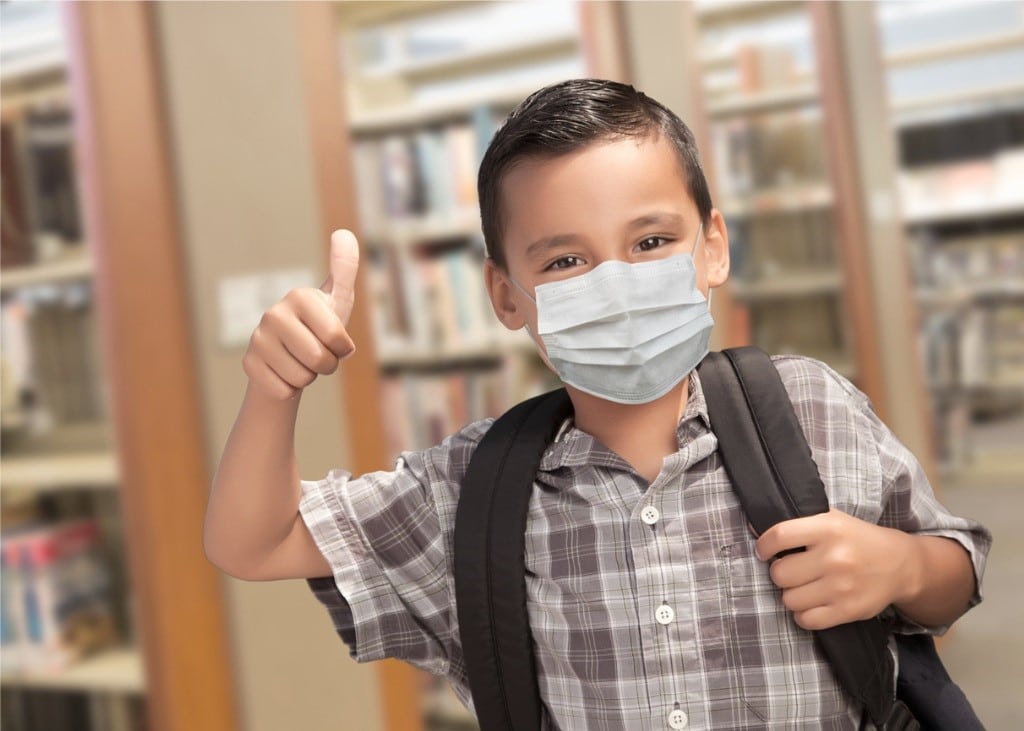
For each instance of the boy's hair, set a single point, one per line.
(568, 116)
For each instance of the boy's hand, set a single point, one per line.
(304, 334)
(850, 570)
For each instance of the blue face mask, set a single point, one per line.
(625, 332)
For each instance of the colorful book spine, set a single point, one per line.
(57, 596)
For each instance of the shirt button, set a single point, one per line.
(677, 719)
(664, 614)
(650, 515)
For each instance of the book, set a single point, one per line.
(58, 604)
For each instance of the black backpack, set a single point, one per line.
(761, 443)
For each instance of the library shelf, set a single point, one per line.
(739, 104)
(954, 49)
(414, 231)
(793, 284)
(16, 103)
(411, 357)
(40, 473)
(976, 95)
(718, 59)
(74, 437)
(116, 670)
(965, 294)
(711, 11)
(790, 198)
(413, 116)
(508, 50)
(953, 213)
(75, 266)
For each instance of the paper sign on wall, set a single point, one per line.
(243, 300)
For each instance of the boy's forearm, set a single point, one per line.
(255, 495)
(940, 583)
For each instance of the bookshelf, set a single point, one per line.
(763, 133)
(423, 88)
(82, 473)
(424, 92)
(58, 461)
(956, 95)
(782, 97)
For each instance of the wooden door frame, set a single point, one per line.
(124, 164)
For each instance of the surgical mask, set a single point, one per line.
(625, 332)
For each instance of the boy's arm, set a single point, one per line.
(253, 528)
(908, 553)
(853, 570)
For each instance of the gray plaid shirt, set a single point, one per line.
(648, 607)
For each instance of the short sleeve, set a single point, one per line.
(387, 536)
(909, 504)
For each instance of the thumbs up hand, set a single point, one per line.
(304, 334)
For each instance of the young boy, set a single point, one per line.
(651, 604)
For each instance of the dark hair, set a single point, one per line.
(568, 116)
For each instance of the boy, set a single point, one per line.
(651, 603)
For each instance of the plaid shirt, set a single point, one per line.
(648, 607)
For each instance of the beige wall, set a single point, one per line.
(247, 204)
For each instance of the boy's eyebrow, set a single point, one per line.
(538, 247)
(657, 218)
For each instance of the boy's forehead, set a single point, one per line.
(608, 180)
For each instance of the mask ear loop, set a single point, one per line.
(520, 288)
(529, 297)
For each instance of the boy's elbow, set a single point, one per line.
(217, 555)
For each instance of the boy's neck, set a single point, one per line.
(642, 434)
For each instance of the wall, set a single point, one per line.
(248, 204)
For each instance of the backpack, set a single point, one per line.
(769, 463)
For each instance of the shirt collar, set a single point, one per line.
(572, 447)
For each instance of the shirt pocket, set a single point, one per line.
(778, 666)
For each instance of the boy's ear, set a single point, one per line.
(716, 250)
(499, 288)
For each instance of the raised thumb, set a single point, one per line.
(343, 264)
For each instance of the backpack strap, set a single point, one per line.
(490, 568)
(760, 439)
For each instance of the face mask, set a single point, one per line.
(625, 332)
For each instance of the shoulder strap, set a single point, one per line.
(759, 437)
(490, 570)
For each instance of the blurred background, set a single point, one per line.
(172, 169)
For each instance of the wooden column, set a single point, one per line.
(126, 180)
(873, 247)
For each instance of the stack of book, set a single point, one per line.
(57, 604)
(424, 174)
(429, 299)
(51, 361)
(41, 218)
(424, 408)
(769, 151)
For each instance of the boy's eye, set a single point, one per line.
(564, 262)
(651, 242)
